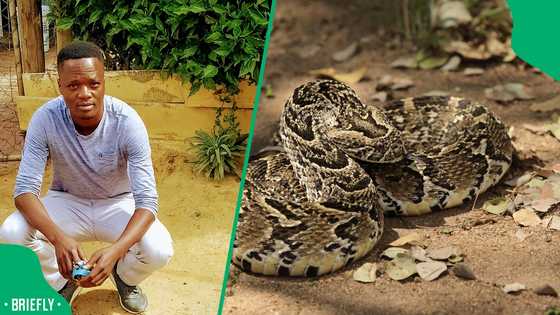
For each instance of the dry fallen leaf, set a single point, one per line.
(432, 62)
(554, 223)
(392, 252)
(430, 270)
(538, 129)
(419, 253)
(543, 205)
(401, 267)
(544, 172)
(526, 217)
(406, 62)
(508, 92)
(547, 106)
(349, 77)
(388, 82)
(467, 51)
(497, 205)
(443, 253)
(412, 238)
(366, 273)
(451, 14)
(514, 287)
(554, 128)
(546, 221)
(535, 183)
(519, 181)
(547, 193)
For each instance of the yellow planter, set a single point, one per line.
(164, 104)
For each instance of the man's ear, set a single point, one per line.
(59, 86)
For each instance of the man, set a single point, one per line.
(103, 186)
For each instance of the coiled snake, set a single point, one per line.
(319, 205)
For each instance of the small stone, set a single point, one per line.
(452, 64)
(346, 53)
(546, 290)
(473, 71)
(514, 287)
(463, 271)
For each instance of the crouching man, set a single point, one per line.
(103, 186)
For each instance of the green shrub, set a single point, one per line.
(217, 152)
(205, 42)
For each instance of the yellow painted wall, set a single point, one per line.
(164, 105)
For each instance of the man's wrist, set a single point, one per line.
(120, 248)
(55, 236)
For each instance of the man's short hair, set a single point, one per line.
(78, 50)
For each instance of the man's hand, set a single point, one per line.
(102, 261)
(67, 252)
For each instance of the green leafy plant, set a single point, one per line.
(217, 152)
(205, 42)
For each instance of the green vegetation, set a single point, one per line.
(206, 42)
(218, 152)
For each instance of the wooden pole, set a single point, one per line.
(63, 38)
(33, 56)
(17, 51)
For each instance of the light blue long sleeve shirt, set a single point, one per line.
(113, 160)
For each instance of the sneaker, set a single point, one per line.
(70, 290)
(131, 297)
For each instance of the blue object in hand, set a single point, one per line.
(80, 271)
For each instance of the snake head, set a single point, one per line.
(367, 135)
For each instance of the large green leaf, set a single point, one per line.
(65, 23)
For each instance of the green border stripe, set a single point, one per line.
(247, 151)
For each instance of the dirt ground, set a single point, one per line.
(306, 34)
(199, 215)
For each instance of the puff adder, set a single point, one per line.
(319, 205)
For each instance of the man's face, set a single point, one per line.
(82, 84)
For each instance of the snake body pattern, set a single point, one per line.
(319, 205)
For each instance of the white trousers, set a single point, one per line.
(91, 220)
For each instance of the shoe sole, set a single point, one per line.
(120, 300)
